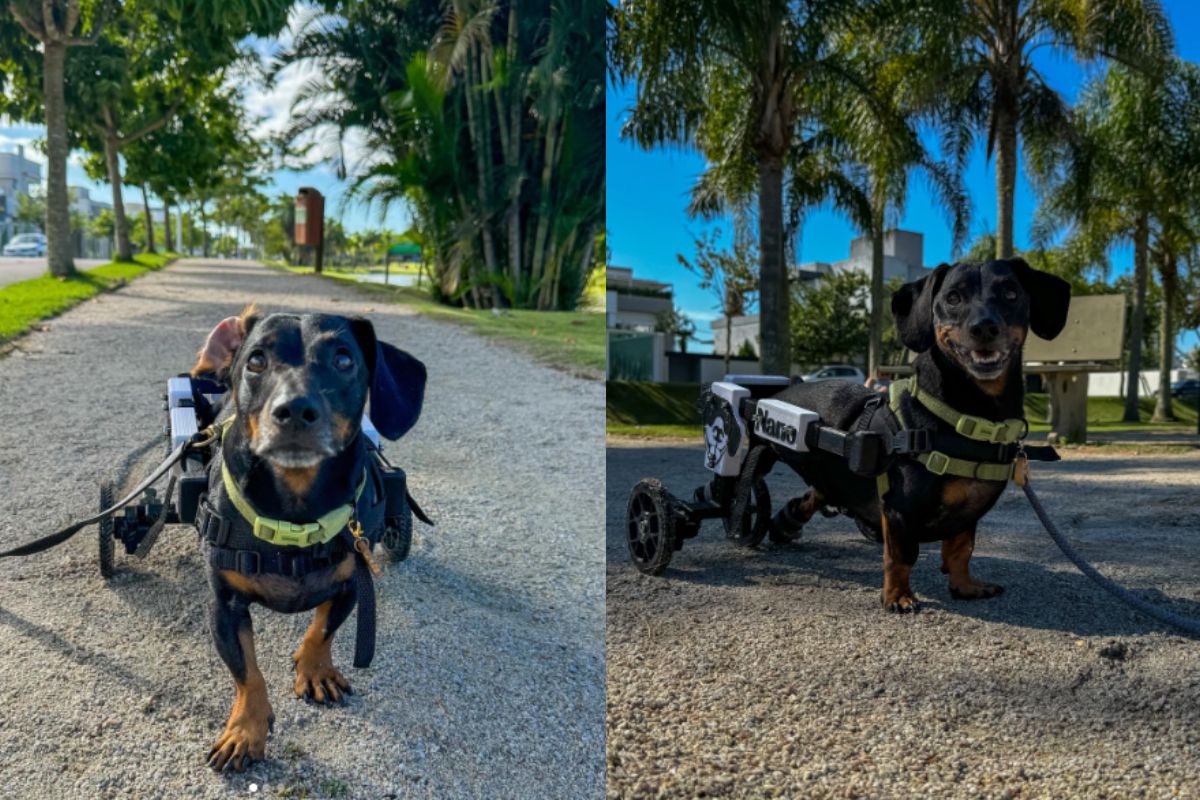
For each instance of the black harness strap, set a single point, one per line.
(364, 634)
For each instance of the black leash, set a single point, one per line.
(198, 439)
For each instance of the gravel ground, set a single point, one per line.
(775, 672)
(488, 674)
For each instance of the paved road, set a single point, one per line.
(20, 269)
(775, 672)
(488, 675)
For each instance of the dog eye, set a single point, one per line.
(1010, 294)
(342, 360)
(953, 298)
(257, 362)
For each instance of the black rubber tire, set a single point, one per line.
(650, 535)
(397, 535)
(105, 526)
(749, 518)
(869, 533)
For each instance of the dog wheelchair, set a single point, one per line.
(746, 432)
(190, 405)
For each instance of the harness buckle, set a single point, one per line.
(248, 562)
(937, 462)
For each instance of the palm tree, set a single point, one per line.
(978, 55)
(1127, 174)
(728, 78)
(879, 125)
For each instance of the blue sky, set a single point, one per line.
(647, 195)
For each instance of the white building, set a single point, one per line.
(631, 303)
(17, 176)
(903, 257)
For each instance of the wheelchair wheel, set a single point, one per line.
(749, 518)
(650, 534)
(397, 535)
(107, 547)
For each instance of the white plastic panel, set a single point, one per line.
(726, 440)
(783, 423)
(183, 425)
(178, 389)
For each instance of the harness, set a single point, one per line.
(978, 448)
(243, 541)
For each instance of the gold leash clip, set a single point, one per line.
(362, 546)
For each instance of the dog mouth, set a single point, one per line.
(983, 363)
(292, 455)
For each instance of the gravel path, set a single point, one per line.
(775, 672)
(488, 674)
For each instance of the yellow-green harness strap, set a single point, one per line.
(280, 531)
(977, 428)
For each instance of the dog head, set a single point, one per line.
(978, 314)
(300, 383)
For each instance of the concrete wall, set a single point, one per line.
(1110, 384)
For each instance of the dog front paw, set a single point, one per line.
(972, 589)
(321, 683)
(244, 740)
(901, 602)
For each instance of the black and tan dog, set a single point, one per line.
(968, 323)
(294, 451)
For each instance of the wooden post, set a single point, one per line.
(1068, 391)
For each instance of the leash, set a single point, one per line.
(1189, 624)
(199, 439)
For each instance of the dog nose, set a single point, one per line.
(296, 411)
(985, 328)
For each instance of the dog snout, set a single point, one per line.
(295, 412)
(984, 328)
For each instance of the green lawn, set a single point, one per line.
(669, 410)
(27, 302)
(571, 340)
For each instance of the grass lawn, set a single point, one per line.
(668, 410)
(572, 340)
(24, 303)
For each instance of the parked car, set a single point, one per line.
(837, 372)
(1189, 389)
(27, 245)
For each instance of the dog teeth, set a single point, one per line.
(985, 356)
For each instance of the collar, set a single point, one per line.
(282, 532)
(1007, 431)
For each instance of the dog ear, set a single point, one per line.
(912, 308)
(223, 342)
(1049, 298)
(397, 382)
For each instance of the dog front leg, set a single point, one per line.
(316, 677)
(956, 558)
(899, 555)
(245, 737)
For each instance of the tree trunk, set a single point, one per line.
(203, 230)
(774, 301)
(120, 222)
(1141, 236)
(1166, 344)
(728, 339)
(481, 144)
(59, 254)
(1006, 177)
(167, 245)
(875, 341)
(149, 221)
